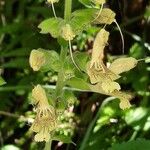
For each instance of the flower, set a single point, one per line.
(36, 60)
(39, 95)
(109, 86)
(43, 126)
(67, 32)
(52, 1)
(124, 104)
(43, 135)
(99, 2)
(100, 75)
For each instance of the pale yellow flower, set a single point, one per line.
(36, 60)
(39, 95)
(98, 2)
(109, 86)
(43, 135)
(45, 111)
(43, 127)
(67, 32)
(124, 104)
(52, 1)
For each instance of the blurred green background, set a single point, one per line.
(19, 35)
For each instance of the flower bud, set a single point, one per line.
(124, 104)
(99, 2)
(67, 32)
(36, 60)
(44, 60)
(52, 1)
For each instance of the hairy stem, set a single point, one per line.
(63, 53)
(64, 49)
(68, 8)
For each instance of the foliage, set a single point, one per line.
(86, 119)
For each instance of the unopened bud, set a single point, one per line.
(67, 32)
(36, 60)
(52, 1)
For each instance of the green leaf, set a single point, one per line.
(81, 19)
(52, 61)
(62, 138)
(140, 144)
(138, 118)
(147, 12)
(81, 59)
(2, 81)
(78, 83)
(52, 26)
(137, 51)
(15, 52)
(16, 63)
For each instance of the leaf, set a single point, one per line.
(15, 52)
(2, 81)
(44, 60)
(121, 65)
(16, 63)
(78, 83)
(137, 51)
(52, 26)
(147, 12)
(62, 138)
(140, 144)
(138, 118)
(81, 20)
(81, 60)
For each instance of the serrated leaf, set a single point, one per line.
(81, 20)
(52, 26)
(121, 65)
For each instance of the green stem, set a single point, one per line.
(63, 54)
(68, 8)
(60, 81)
(64, 49)
(48, 145)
